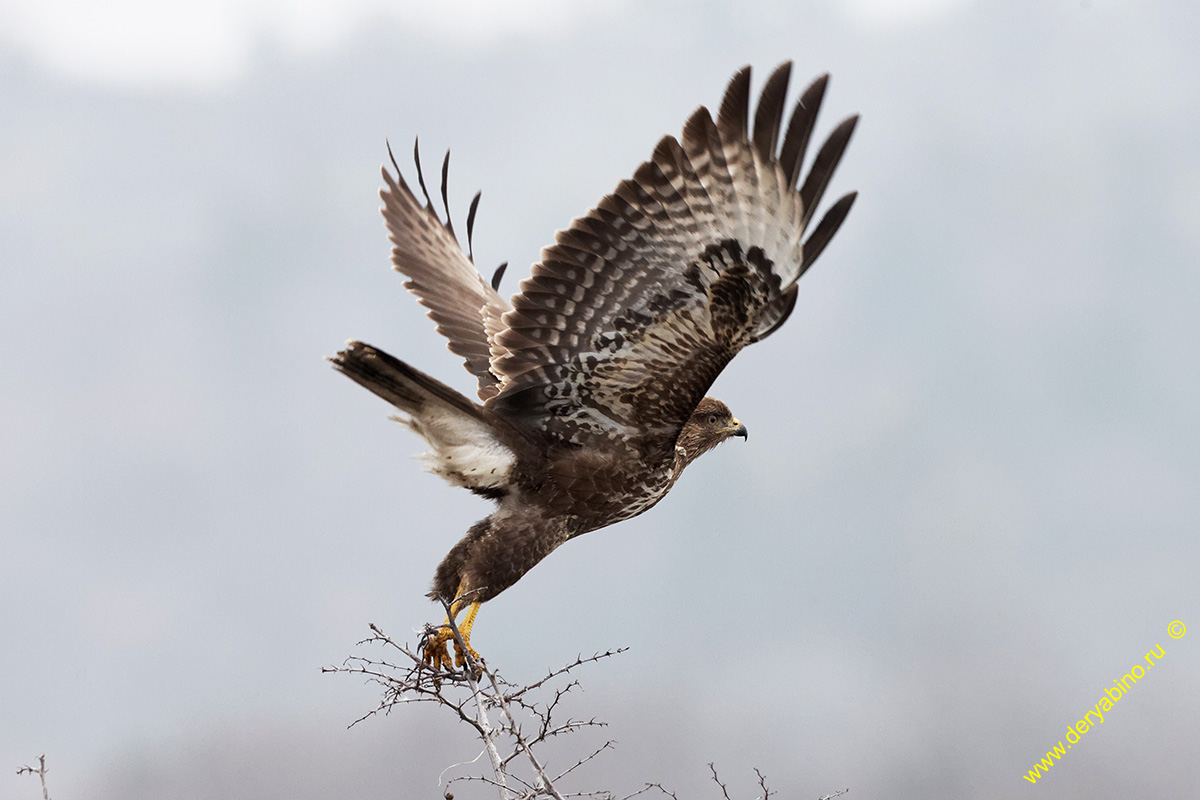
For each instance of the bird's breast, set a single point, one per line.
(602, 488)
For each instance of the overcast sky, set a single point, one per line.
(968, 503)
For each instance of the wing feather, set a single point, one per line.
(464, 306)
(800, 128)
(824, 164)
(769, 114)
(636, 308)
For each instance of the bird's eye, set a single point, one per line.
(712, 419)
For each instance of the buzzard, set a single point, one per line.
(592, 378)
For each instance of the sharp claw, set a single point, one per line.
(436, 652)
(460, 658)
(436, 655)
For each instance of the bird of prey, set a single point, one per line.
(592, 379)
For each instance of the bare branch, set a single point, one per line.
(40, 770)
(525, 721)
(471, 693)
(724, 788)
(578, 662)
(544, 784)
(762, 784)
(585, 759)
(647, 788)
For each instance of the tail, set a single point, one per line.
(466, 449)
(405, 387)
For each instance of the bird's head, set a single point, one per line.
(710, 424)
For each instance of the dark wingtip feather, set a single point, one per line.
(735, 107)
(420, 173)
(769, 114)
(825, 230)
(392, 157)
(800, 128)
(668, 151)
(445, 192)
(387, 177)
(824, 165)
(471, 226)
(497, 275)
(696, 129)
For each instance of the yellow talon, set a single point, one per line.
(436, 653)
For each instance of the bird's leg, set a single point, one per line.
(436, 654)
(465, 629)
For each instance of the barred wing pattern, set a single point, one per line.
(466, 309)
(638, 306)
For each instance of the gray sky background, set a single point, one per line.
(968, 503)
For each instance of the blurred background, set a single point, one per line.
(968, 503)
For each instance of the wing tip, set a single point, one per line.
(733, 115)
(769, 114)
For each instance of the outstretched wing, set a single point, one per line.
(466, 309)
(640, 304)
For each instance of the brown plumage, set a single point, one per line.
(592, 382)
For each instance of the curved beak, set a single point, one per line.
(738, 429)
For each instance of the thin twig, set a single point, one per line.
(724, 788)
(762, 783)
(578, 662)
(647, 788)
(585, 759)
